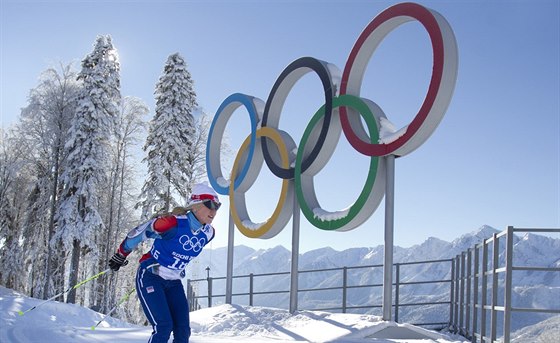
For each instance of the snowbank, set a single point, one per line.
(60, 322)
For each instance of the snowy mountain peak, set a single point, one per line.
(485, 231)
(540, 240)
(534, 249)
(468, 240)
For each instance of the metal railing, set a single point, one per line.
(343, 288)
(477, 271)
(474, 303)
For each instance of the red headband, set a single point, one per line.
(203, 197)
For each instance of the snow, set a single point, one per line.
(545, 331)
(388, 132)
(251, 225)
(330, 216)
(60, 322)
(223, 182)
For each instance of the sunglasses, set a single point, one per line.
(212, 205)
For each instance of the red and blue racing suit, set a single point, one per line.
(177, 240)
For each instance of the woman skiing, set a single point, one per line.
(178, 238)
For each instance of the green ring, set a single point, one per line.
(338, 224)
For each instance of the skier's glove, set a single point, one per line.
(117, 261)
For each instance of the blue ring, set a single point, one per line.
(231, 103)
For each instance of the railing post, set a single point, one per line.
(344, 285)
(451, 293)
(190, 295)
(494, 313)
(508, 284)
(209, 279)
(468, 289)
(457, 289)
(484, 291)
(475, 291)
(251, 289)
(397, 279)
(462, 294)
(484, 288)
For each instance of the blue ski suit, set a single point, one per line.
(177, 240)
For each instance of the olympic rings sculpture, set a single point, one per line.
(344, 112)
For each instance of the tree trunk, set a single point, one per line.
(107, 302)
(49, 260)
(168, 195)
(118, 222)
(74, 269)
(59, 264)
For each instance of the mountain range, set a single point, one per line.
(530, 289)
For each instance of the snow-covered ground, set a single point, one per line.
(59, 322)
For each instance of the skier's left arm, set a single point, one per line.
(134, 237)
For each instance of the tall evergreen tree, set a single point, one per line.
(87, 147)
(170, 142)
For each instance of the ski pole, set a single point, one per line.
(123, 299)
(21, 313)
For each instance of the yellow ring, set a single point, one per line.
(283, 211)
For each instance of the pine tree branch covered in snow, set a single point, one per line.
(170, 145)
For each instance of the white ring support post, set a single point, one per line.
(389, 229)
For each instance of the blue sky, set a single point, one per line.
(493, 160)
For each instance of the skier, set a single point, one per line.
(178, 238)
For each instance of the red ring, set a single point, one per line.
(427, 19)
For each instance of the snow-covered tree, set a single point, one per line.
(203, 123)
(126, 135)
(44, 129)
(79, 218)
(10, 249)
(170, 143)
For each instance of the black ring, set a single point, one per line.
(321, 69)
